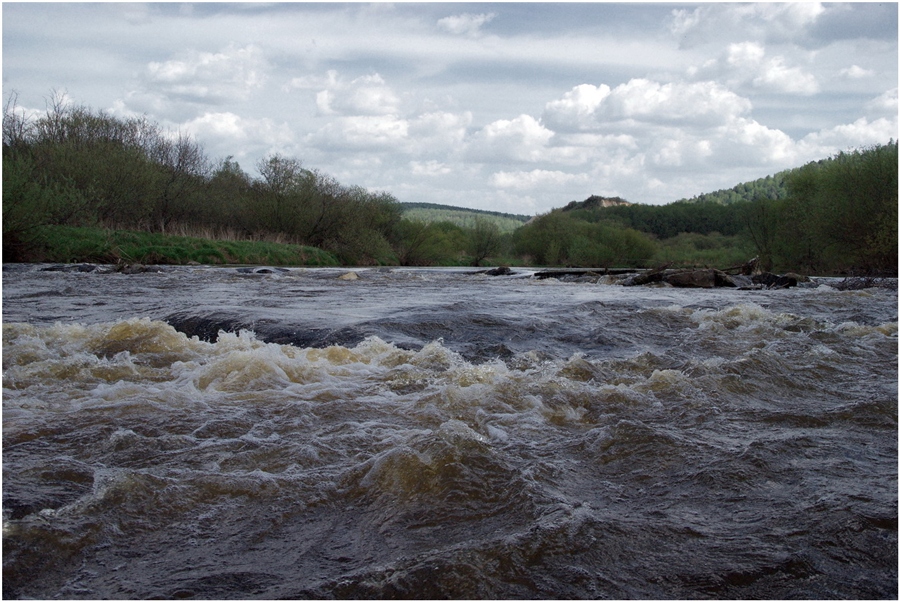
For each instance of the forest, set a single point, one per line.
(73, 173)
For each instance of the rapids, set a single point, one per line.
(223, 433)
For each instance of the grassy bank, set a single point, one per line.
(96, 245)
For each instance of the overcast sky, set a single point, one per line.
(503, 106)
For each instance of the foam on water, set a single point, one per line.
(677, 446)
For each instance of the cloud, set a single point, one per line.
(576, 110)
(365, 114)
(362, 132)
(778, 77)
(536, 178)
(208, 77)
(520, 139)
(886, 102)
(856, 72)
(439, 131)
(861, 132)
(466, 23)
(561, 101)
(587, 107)
(772, 22)
(744, 65)
(366, 95)
(699, 103)
(225, 133)
(429, 168)
(745, 55)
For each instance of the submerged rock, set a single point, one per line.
(712, 278)
(349, 276)
(692, 279)
(770, 280)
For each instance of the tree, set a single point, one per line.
(183, 171)
(484, 240)
(762, 218)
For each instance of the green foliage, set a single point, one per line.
(690, 249)
(767, 188)
(666, 221)
(114, 246)
(464, 218)
(561, 238)
(76, 167)
(484, 240)
(840, 214)
(29, 203)
(418, 243)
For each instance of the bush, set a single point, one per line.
(30, 203)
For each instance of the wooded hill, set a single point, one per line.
(460, 216)
(837, 215)
(770, 187)
(77, 168)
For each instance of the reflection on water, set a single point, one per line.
(210, 433)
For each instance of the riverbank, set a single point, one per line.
(64, 244)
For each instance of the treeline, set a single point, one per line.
(464, 218)
(80, 168)
(840, 215)
(73, 166)
(770, 187)
(77, 167)
(832, 216)
(486, 212)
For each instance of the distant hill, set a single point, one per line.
(461, 216)
(596, 202)
(770, 187)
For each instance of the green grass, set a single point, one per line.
(67, 244)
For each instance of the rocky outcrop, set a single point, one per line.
(499, 271)
(693, 279)
(769, 280)
(712, 278)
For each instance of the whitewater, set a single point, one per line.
(263, 433)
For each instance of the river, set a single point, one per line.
(223, 433)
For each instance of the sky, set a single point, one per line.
(512, 107)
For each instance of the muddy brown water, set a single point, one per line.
(217, 433)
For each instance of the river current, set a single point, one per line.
(224, 433)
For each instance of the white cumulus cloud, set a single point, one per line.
(744, 65)
(762, 21)
(225, 133)
(366, 95)
(886, 102)
(775, 75)
(536, 178)
(429, 168)
(208, 76)
(641, 100)
(466, 23)
(576, 110)
(523, 138)
(362, 132)
(857, 72)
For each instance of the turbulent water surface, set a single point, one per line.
(218, 433)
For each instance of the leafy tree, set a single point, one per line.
(183, 172)
(484, 240)
(843, 213)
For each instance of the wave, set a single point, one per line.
(750, 454)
